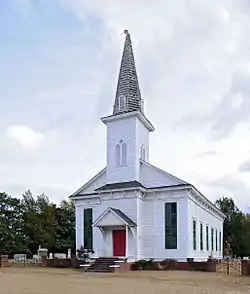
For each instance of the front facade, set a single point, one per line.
(132, 209)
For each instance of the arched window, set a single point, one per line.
(121, 153)
(143, 153)
(121, 102)
(124, 153)
(118, 154)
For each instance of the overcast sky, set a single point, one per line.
(59, 63)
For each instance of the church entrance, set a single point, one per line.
(119, 242)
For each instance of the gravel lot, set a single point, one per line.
(65, 281)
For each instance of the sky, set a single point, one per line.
(59, 67)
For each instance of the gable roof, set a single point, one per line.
(122, 216)
(92, 180)
(121, 185)
(163, 172)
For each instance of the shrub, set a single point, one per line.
(168, 263)
(60, 263)
(143, 264)
(84, 254)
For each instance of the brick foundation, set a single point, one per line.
(44, 261)
(245, 267)
(4, 261)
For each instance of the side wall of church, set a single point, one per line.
(202, 216)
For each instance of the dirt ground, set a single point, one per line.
(60, 281)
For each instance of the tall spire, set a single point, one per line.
(128, 94)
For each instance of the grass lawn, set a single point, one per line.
(66, 281)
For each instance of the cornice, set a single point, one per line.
(137, 114)
(201, 200)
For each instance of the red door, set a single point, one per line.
(119, 242)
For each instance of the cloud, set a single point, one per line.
(26, 136)
(244, 166)
(231, 185)
(207, 153)
(56, 192)
(60, 72)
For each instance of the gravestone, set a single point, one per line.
(42, 252)
(60, 255)
(36, 257)
(20, 257)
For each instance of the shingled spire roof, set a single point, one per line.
(128, 94)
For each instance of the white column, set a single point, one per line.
(127, 253)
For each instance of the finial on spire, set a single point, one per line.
(128, 95)
(125, 32)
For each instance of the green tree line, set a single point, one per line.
(29, 222)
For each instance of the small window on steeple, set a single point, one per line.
(143, 153)
(124, 153)
(122, 102)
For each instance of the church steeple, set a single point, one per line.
(127, 128)
(128, 94)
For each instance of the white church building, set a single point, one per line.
(131, 208)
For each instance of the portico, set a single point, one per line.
(118, 233)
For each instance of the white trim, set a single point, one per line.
(88, 183)
(99, 193)
(122, 103)
(85, 265)
(212, 208)
(140, 116)
(126, 244)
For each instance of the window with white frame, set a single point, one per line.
(121, 153)
(122, 102)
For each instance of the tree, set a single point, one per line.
(65, 233)
(39, 221)
(236, 230)
(12, 239)
(27, 223)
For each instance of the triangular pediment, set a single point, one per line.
(113, 217)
